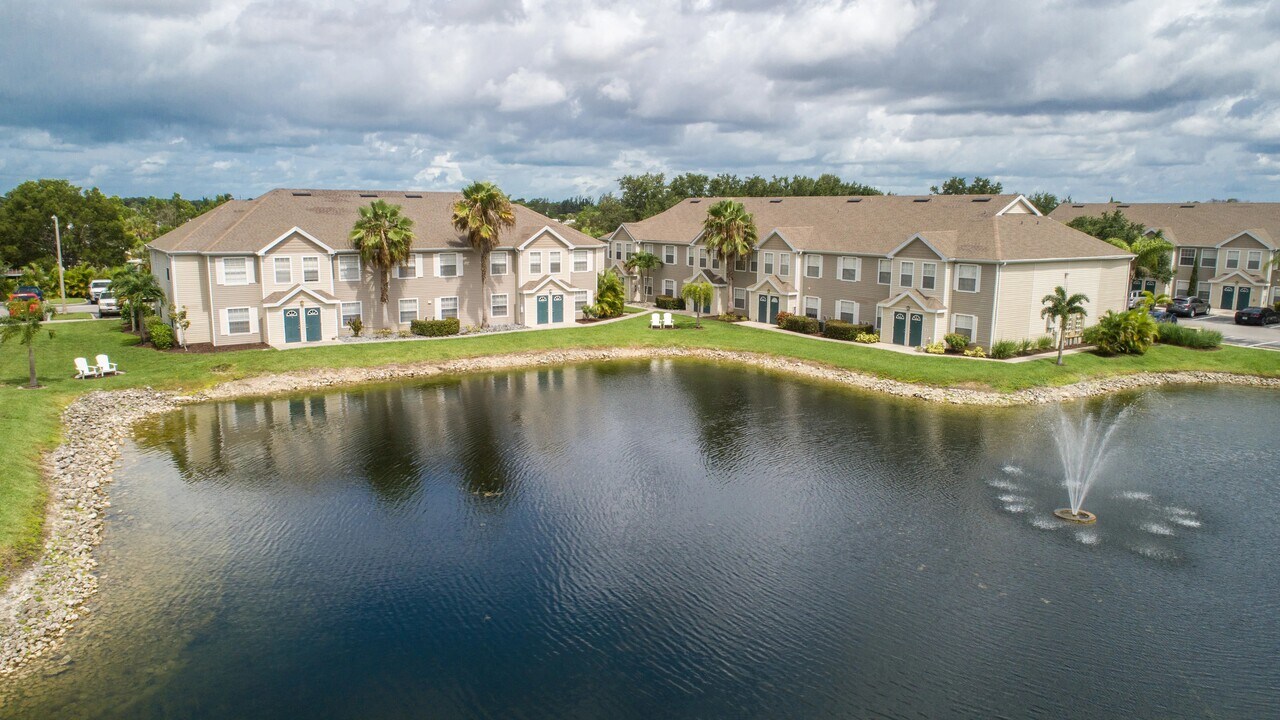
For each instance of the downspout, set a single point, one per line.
(995, 306)
(212, 273)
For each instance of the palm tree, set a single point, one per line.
(23, 322)
(700, 295)
(384, 238)
(1150, 300)
(1061, 307)
(140, 289)
(730, 233)
(610, 295)
(1151, 253)
(483, 213)
(645, 262)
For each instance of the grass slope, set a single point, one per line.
(29, 419)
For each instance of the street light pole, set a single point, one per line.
(62, 282)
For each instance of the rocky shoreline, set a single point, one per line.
(42, 604)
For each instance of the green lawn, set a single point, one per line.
(29, 419)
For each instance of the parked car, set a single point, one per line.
(1135, 298)
(1163, 316)
(96, 288)
(1189, 306)
(1257, 316)
(27, 292)
(107, 304)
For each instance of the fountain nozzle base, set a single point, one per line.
(1084, 517)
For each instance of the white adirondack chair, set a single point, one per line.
(85, 370)
(105, 365)
(667, 322)
(655, 321)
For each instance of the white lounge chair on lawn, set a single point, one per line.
(84, 369)
(667, 322)
(105, 365)
(655, 321)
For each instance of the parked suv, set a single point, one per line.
(1135, 298)
(107, 304)
(27, 292)
(1257, 316)
(1189, 306)
(96, 289)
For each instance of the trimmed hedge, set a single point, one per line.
(436, 328)
(159, 332)
(1171, 334)
(841, 330)
(667, 302)
(803, 324)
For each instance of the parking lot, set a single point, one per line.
(1255, 336)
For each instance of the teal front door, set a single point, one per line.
(313, 323)
(292, 326)
(763, 314)
(899, 327)
(557, 308)
(1228, 297)
(544, 302)
(917, 327)
(774, 303)
(1242, 298)
(1150, 286)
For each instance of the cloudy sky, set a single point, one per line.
(1143, 100)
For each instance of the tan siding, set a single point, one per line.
(231, 296)
(1245, 241)
(1105, 282)
(917, 249)
(979, 304)
(193, 294)
(295, 248)
(829, 288)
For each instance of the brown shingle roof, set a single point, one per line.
(959, 226)
(1190, 224)
(328, 215)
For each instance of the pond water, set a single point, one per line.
(676, 540)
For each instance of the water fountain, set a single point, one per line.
(1082, 447)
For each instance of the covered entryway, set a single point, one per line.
(914, 319)
(300, 315)
(767, 309)
(771, 298)
(1242, 297)
(1228, 297)
(899, 327)
(917, 329)
(292, 325)
(545, 301)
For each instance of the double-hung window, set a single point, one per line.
(498, 263)
(238, 321)
(812, 307)
(1209, 258)
(784, 264)
(535, 262)
(407, 269)
(847, 310)
(928, 275)
(768, 263)
(498, 305)
(349, 268)
(702, 257)
(580, 298)
(906, 273)
(310, 269)
(688, 256)
(668, 254)
(967, 278)
(813, 266)
(350, 311)
(408, 310)
(739, 298)
(884, 272)
(284, 270)
(581, 261)
(1254, 261)
(1187, 257)
(235, 271)
(669, 287)
(447, 265)
(648, 285)
(963, 325)
(553, 261)
(447, 307)
(848, 268)
(755, 262)
(1233, 260)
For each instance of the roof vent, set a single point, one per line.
(301, 193)
(1122, 206)
(981, 200)
(1187, 206)
(776, 200)
(413, 195)
(920, 200)
(695, 200)
(368, 194)
(854, 200)
(1077, 206)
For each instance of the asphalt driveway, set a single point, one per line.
(1244, 335)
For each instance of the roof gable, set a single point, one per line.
(290, 233)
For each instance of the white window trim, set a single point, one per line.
(400, 309)
(586, 299)
(415, 261)
(535, 255)
(493, 304)
(249, 278)
(902, 270)
(808, 267)
(977, 277)
(973, 324)
(817, 301)
(1184, 260)
(739, 293)
(1232, 254)
(668, 254)
(305, 258)
(457, 307)
(843, 263)
(857, 309)
(924, 275)
(672, 292)
(586, 261)
(784, 264)
(359, 268)
(275, 269)
(341, 314)
(1209, 258)
(688, 257)
(554, 258)
(226, 321)
(506, 263)
(457, 265)
(769, 266)
(648, 285)
(880, 264)
(1249, 260)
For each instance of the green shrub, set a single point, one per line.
(781, 320)
(1004, 349)
(356, 325)
(802, 324)
(975, 352)
(1045, 342)
(1025, 346)
(936, 348)
(732, 318)
(956, 341)
(383, 333)
(841, 330)
(868, 338)
(1171, 334)
(590, 311)
(436, 328)
(610, 294)
(160, 333)
(1124, 333)
(667, 302)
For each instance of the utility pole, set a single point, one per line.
(62, 282)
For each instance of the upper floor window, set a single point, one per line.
(629, 252)
(768, 263)
(1187, 256)
(446, 264)
(755, 262)
(284, 270)
(1209, 259)
(884, 271)
(535, 262)
(906, 273)
(407, 269)
(349, 267)
(235, 271)
(1233, 260)
(498, 263)
(848, 268)
(813, 266)
(581, 261)
(1254, 263)
(784, 264)
(928, 275)
(310, 269)
(688, 256)
(967, 278)
(553, 261)
(702, 257)
(669, 254)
